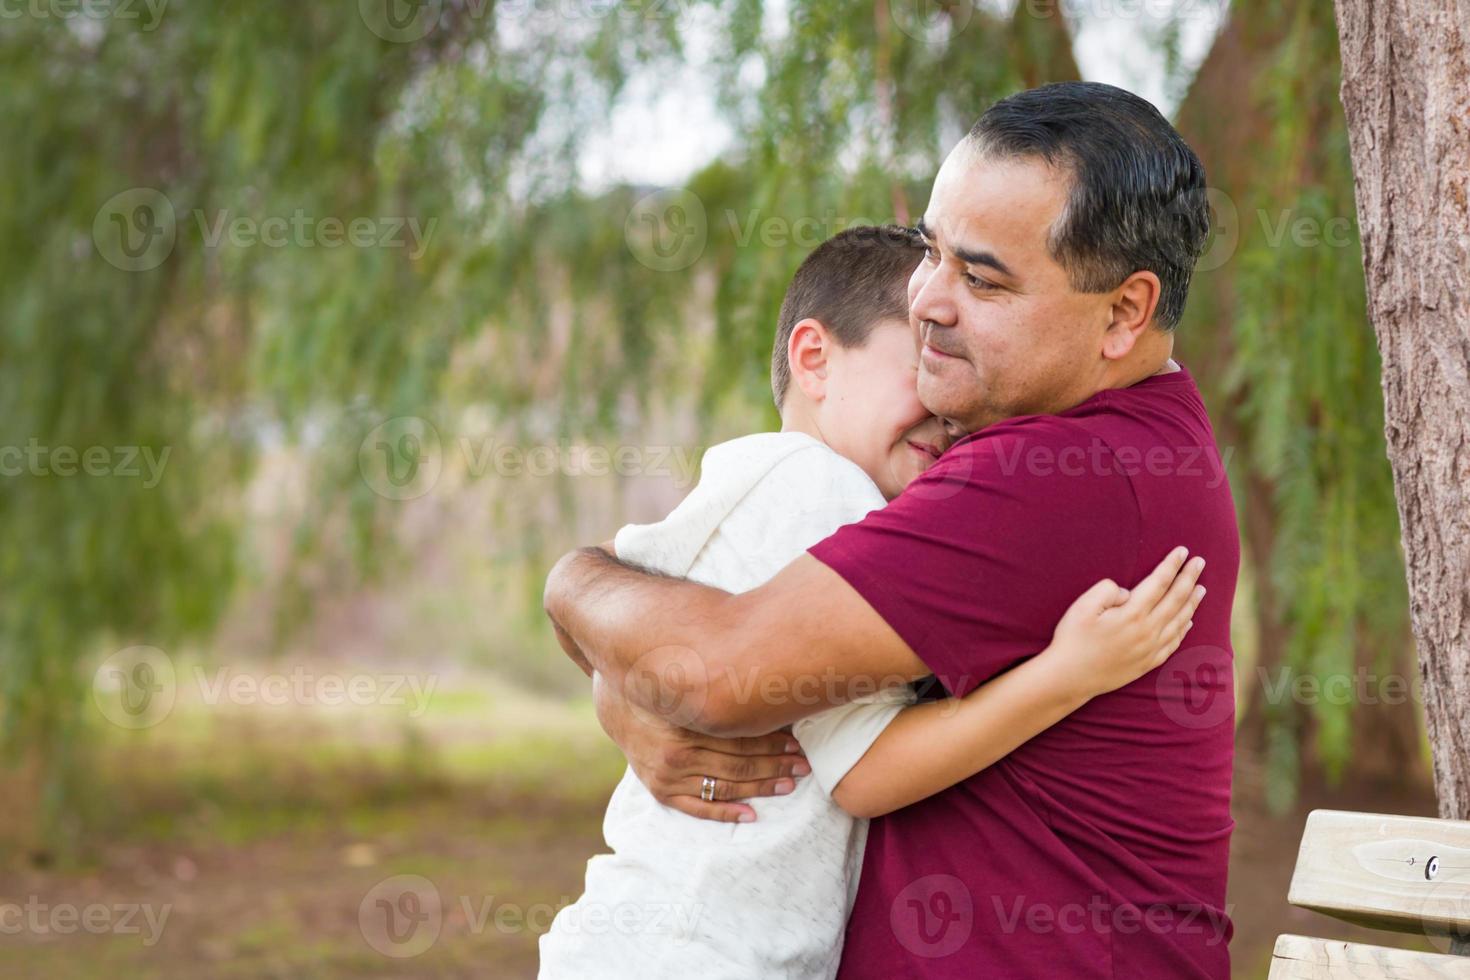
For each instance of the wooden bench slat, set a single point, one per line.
(1407, 874)
(1303, 958)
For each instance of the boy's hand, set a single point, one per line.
(1111, 637)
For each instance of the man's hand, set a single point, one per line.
(673, 762)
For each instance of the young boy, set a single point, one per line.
(682, 897)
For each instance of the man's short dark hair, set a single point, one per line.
(850, 283)
(1137, 200)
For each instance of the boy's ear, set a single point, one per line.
(809, 350)
(1134, 303)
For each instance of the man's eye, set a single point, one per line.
(931, 253)
(975, 282)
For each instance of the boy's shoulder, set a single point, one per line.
(764, 448)
(791, 477)
(767, 492)
(785, 457)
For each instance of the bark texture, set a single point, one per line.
(1406, 93)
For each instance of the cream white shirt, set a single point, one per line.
(680, 897)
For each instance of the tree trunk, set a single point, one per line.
(1404, 66)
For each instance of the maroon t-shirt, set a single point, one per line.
(1098, 848)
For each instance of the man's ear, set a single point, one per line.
(1132, 311)
(809, 351)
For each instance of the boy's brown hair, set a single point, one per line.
(849, 283)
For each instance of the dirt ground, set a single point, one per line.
(297, 903)
(304, 898)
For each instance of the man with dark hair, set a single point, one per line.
(1059, 237)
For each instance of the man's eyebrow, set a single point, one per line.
(971, 256)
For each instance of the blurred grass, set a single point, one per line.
(261, 828)
(234, 772)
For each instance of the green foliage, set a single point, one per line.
(261, 112)
(1300, 374)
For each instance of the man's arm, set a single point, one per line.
(573, 652)
(672, 762)
(724, 664)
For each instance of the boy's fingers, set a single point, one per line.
(1167, 650)
(1179, 625)
(1103, 596)
(1147, 593)
(1179, 593)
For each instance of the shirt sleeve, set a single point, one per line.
(647, 545)
(836, 739)
(974, 564)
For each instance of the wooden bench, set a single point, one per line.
(1404, 874)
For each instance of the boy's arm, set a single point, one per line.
(1108, 638)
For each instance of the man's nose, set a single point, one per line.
(933, 301)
